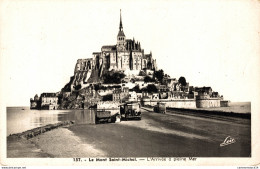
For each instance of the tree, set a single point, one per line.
(182, 81)
(113, 77)
(137, 89)
(108, 97)
(148, 79)
(151, 88)
(159, 75)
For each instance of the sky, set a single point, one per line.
(209, 42)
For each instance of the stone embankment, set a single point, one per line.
(211, 112)
(39, 130)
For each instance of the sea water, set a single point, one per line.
(235, 107)
(20, 119)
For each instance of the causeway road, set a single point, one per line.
(173, 134)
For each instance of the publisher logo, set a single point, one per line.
(227, 141)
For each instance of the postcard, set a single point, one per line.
(130, 82)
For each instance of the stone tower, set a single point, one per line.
(121, 36)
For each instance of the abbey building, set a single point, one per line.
(127, 54)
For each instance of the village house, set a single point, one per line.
(163, 95)
(170, 95)
(162, 88)
(176, 95)
(170, 83)
(204, 90)
(125, 93)
(139, 96)
(132, 96)
(120, 94)
(177, 87)
(146, 95)
(215, 95)
(49, 101)
(155, 96)
(116, 95)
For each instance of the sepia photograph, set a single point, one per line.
(130, 82)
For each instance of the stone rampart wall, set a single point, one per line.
(180, 103)
(207, 103)
(185, 103)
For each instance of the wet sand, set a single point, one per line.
(22, 148)
(59, 142)
(65, 144)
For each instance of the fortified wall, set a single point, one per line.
(187, 103)
(206, 102)
(203, 102)
(180, 103)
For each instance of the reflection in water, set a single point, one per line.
(79, 116)
(19, 120)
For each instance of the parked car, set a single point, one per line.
(131, 111)
(105, 116)
(160, 108)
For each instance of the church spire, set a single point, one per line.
(120, 24)
(121, 42)
(121, 32)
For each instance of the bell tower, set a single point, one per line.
(120, 36)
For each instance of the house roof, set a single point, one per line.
(117, 91)
(48, 95)
(108, 46)
(112, 47)
(197, 89)
(96, 52)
